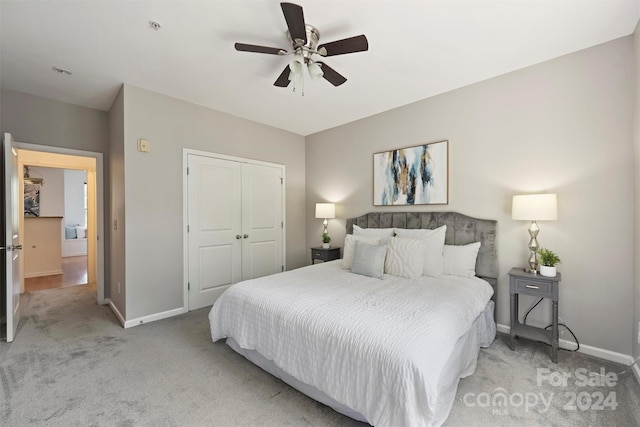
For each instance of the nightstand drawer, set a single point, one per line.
(324, 254)
(532, 287)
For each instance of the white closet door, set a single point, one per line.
(262, 220)
(215, 230)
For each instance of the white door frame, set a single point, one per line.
(12, 243)
(100, 298)
(185, 211)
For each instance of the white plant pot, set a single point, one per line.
(547, 271)
(327, 246)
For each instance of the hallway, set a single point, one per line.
(74, 272)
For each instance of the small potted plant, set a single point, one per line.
(326, 240)
(548, 261)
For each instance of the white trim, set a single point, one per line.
(43, 273)
(70, 254)
(185, 211)
(100, 196)
(185, 236)
(153, 317)
(115, 311)
(613, 356)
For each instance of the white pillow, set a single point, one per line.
(405, 257)
(81, 232)
(368, 259)
(383, 233)
(433, 257)
(461, 260)
(349, 241)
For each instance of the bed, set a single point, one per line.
(389, 350)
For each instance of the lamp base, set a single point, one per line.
(530, 271)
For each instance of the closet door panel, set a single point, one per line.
(262, 220)
(214, 205)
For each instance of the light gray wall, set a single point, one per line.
(154, 196)
(636, 299)
(43, 121)
(563, 126)
(115, 212)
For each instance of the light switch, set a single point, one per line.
(143, 146)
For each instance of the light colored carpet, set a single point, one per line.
(73, 365)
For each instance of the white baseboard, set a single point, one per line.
(70, 254)
(115, 311)
(145, 319)
(613, 356)
(153, 317)
(42, 273)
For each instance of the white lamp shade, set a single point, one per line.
(325, 210)
(314, 70)
(535, 207)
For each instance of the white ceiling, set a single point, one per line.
(417, 49)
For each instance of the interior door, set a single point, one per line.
(262, 221)
(214, 227)
(11, 237)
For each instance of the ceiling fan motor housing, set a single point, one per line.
(310, 47)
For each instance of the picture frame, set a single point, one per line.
(416, 175)
(32, 200)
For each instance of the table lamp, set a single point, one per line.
(326, 211)
(534, 207)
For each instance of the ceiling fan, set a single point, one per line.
(304, 45)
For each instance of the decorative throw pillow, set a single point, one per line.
(81, 232)
(70, 232)
(368, 259)
(433, 255)
(349, 241)
(383, 233)
(405, 257)
(461, 260)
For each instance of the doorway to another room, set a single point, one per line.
(61, 225)
(55, 228)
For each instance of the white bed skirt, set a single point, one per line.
(461, 364)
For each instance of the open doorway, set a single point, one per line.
(55, 228)
(85, 169)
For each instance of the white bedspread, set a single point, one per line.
(378, 346)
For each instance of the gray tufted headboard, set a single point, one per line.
(461, 230)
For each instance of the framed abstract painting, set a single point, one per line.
(416, 175)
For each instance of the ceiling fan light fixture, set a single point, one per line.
(303, 39)
(315, 70)
(297, 62)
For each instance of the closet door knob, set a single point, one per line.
(238, 236)
(245, 236)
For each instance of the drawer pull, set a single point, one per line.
(532, 286)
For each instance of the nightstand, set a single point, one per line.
(521, 282)
(322, 254)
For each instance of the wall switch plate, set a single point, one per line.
(144, 146)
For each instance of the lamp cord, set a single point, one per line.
(635, 361)
(524, 322)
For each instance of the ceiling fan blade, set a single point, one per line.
(283, 79)
(350, 45)
(294, 16)
(242, 47)
(331, 75)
